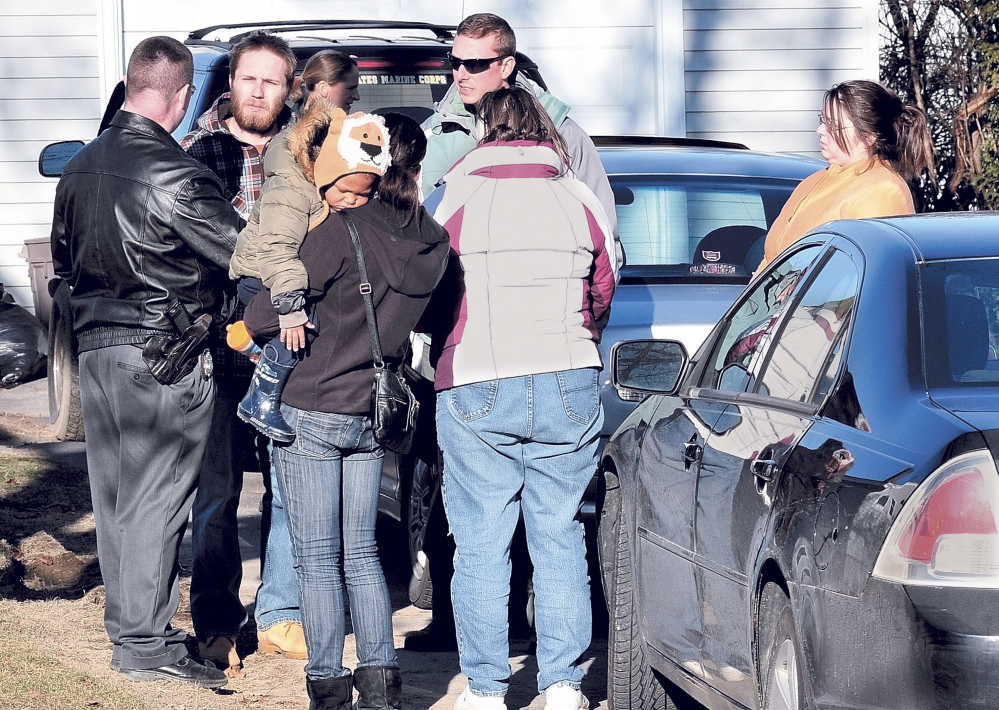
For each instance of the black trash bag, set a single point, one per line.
(23, 344)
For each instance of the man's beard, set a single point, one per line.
(251, 121)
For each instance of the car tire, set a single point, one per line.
(65, 409)
(631, 683)
(422, 491)
(782, 682)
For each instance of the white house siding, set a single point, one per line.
(755, 70)
(49, 91)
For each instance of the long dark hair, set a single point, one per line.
(897, 132)
(512, 114)
(407, 146)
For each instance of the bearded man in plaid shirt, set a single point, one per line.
(231, 138)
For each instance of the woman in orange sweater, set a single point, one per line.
(873, 143)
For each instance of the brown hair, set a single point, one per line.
(161, 64)
(897, 132)
(328, 65)
(485, 23)
(407, 146)
(262, 40)
(513, 114)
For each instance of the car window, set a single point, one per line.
(700, 226)
(737, 357)
(407, 89)
(960, 312)
(810, 339)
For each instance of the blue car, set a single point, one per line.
(805, 513)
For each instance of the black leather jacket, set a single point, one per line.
(137, 223)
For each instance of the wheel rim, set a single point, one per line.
(55, 362)
(784, 684)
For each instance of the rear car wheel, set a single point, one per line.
(65, 410)
(631, 683)
(780, 663)
(421, 497)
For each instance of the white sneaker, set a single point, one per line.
(470, 701)
(565, 697)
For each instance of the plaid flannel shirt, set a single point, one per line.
(240, 167)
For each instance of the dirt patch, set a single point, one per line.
(52, 604)
(21, 428)
(54, 651)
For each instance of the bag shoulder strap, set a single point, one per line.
(369, 307)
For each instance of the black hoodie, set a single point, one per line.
(404, 265)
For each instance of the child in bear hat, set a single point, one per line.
(340, 159)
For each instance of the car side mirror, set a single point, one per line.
(54, 157)
(648, 366)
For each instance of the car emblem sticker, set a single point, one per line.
(711, 255)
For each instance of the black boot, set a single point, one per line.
(261, 406)
(330, 693)
(378, 688)
(434, 637)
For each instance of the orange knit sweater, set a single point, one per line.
(868, 188)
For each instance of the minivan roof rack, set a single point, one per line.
(665, 140)
(441, 32)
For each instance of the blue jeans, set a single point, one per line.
(520, 445)
(277, 596)
(330, 477)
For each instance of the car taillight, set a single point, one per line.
(948, 531)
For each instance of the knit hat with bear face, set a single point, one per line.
(358, 143)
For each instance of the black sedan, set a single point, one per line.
(804, 514)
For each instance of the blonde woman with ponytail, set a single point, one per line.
(874, 144)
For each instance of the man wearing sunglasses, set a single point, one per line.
(483, 59)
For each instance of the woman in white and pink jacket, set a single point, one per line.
(518, 407)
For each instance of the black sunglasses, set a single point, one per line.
(474, 66)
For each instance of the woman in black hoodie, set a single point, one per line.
(330, 473)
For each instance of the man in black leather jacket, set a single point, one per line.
(141, 226)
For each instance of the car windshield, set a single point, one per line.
(695, 227)
(960, 311)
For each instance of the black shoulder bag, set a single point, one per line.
(395, 408)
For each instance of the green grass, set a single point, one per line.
(18, 470)
(32, 680)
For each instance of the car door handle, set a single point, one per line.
(692, 452)
(764, 469)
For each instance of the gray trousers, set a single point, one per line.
(145, 443)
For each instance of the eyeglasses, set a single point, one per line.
(473, 66)
(830, 125)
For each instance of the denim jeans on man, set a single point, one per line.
(520, 445)
(330, 477)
